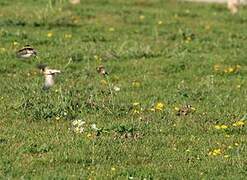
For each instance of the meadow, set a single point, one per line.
(161, 55)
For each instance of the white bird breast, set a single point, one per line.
(49, 81)
(26, 55)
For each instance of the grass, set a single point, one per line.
(170, 52)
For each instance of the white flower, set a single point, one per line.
(116, 88)
(78, 123)
(94, 127)
(78, 126)
(78, 129)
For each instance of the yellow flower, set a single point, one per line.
(230, 69)
(49, 34)
(15, 43)
(217, 127)
(111, 29)
(217, 67)
(226, 156)
(136, 103)
(176, 108)
(113, 169)
(141, 17)
(136, 111)
(238, 123)
(160, 22)
(3, 49)
(68, 36)
(136, 84)
(89, 135)
(223, 126)
(215, 152)
(159, 106)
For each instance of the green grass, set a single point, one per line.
(172, 62)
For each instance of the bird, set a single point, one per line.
(49, 75)
(26, 52)
(101, 70)
(185, 110)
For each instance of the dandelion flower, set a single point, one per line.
(136, 104)
(238, 123)
(223, 126)
(113, 169)
(220, 126)
(160, 22)
(159, 106)
(141, 17)
(68, 36)
(15, 43)
(217, 127)
(111, 29)
(215, 152)
(49, 34)
(136, 84)
(230, 69)
(136, 111)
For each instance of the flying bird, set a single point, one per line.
(26, 52)
(49, 75)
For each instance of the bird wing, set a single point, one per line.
(54, 71)
(27, 50)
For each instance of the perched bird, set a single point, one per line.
(185, 110)
(26, 52)
(49, 76)
(101, 70)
